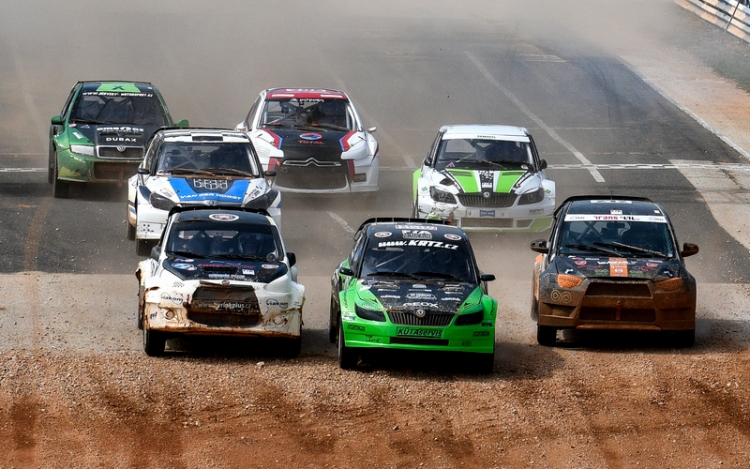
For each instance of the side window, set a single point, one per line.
(356, 256)
(431, 155)
(535, 154)
(253, 113)
(151, 155)
(68, 101)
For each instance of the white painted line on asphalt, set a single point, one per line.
(341, 222)
(23, 170)
(550, 131)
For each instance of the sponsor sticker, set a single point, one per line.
(452, 237)
(248, 272)
(416, 227)
(416, 234)
(177, 298)
(310, 136)
(383, 234)
(270, 266)
(184, 266)
(223, 217)
(411, 332)
(486, 213)
(277, 303)
(618, 267)
(636, 218)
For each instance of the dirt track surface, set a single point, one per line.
(557, 409)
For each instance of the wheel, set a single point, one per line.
(143, 247)
(141, 307)
(546, 335)
(60, 189)
(333, 330)
(534, 305)
(683, 339)
(485, 363)
(415, 209)
(51, 163)
(292, 347)
(131, 228)
(154, 342)
(347, 355)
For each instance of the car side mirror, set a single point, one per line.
(270, 173)
(372, 129)
(540, 245)
(487, 277)
(143, 171)
(182, 123)
(292, 258)
(57, 120)
(346, 271)
(156, 252)
(542, 164)
(688, 249)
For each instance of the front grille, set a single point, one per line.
(311, 176)
(132, 153)
(619, 289)
(402, 340)
(432, 318)
(486, 223)
(625, 315)
(494, 200)
(224, 307)
(114, 171)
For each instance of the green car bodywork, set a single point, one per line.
(373, 312)
(101, 132)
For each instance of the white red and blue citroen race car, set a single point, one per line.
(195, 167)
(314, 140)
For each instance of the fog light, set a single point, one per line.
(169, 314)
(279, 320)
(568, 281)
(669, 284)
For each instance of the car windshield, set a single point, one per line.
(616, 238)
(198, 239)
(119, 108)
(483, 154)
(206, 157)
(419, 260)
(313, 113)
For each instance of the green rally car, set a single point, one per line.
(101, 132)
(412, 284)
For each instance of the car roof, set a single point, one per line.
(438, 227)
(190, 135)
(606, 205)
(117, 86)
(257, 217)
(305, 93)
(485, 132)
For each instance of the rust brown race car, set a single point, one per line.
(613, 264)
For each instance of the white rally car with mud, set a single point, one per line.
(485, 177)
(219, 272)
(203, 167)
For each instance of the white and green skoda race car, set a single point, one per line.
(485, 177)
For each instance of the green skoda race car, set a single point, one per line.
(412, 284)
(101, 132)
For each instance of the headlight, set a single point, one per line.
(533, 197)
(87, 150)
(568, 281)
(469, 319)
(442, 196)
(370, 314)
(670, 284)
(160, 202)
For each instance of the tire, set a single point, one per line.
(60, 189)
(154, 342)
(333, 330)
(415, 210)
(347, 356)
(683, 339)
(143, 247)
(51, 163)
(546, 335)
(141, 308)
(485, 363)
(131, 228)
(292, 347)
(534, 305)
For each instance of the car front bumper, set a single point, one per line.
(532, 217)
(84, 168)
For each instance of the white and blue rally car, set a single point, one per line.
(195, 167)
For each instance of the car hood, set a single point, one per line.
(501, 181)
(262, 271)
(113, 134)
(230, 190)
(603, 267)
(435, 295)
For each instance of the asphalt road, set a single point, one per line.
(409, 67)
